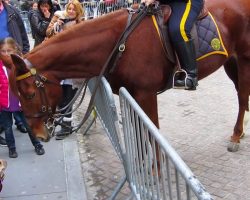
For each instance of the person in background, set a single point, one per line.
(61, 21)
(33, 8)
(56, 5)
(9, 46)
(7, 2)
(12, 26)
(40, 20)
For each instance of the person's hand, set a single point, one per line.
(46, 12)
(56, 2)
(60, 22)
(148, 2)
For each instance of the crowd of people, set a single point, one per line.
(46, 20)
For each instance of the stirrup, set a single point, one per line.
(178, 72)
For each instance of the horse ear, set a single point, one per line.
(19, 63)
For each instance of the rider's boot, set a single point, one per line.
(187, 58)
(65, 130)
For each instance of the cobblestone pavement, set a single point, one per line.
(198, 124)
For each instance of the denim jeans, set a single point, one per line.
(18, 116)
(7, 122)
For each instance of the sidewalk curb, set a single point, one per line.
(76, 189)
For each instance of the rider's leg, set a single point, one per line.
(186, 54)
(180, 25)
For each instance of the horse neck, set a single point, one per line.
(80, 52)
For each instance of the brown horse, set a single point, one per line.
(143, 68)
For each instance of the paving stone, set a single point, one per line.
(198, 125)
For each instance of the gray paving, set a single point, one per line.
(198, 124)
(54, 175)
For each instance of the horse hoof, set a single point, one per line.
(233, 147)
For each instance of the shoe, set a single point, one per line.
(22, 128)
(61, 135)
(13, 153)
(65, 131)
(191, 83)
(39, 150)
(3, 142)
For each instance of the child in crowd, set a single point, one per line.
(11, 103)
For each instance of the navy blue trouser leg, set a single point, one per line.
(18, 118)
(7, 120)
(33, 139)
(182, 19)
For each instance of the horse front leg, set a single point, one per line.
(148, 102)
(243, 100)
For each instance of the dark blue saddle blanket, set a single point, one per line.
(208, 40)
(205, 33)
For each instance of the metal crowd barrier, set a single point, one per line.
(95, 9)
(106, 111)
(167, 177)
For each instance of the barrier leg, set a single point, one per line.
(118, 188)
(91, 123)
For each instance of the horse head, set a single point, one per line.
(35, 79)
(37, 98)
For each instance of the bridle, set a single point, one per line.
(46, 109)
(55, 118)
(39, 82)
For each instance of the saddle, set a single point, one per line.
(162, 15)
(205, 33)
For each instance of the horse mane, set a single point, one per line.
(104, 22)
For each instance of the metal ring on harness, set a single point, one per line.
(122, 47)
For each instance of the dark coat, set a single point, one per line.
(30, 13)
(39, 26)
(16, 28)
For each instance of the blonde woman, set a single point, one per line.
(62, 20)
